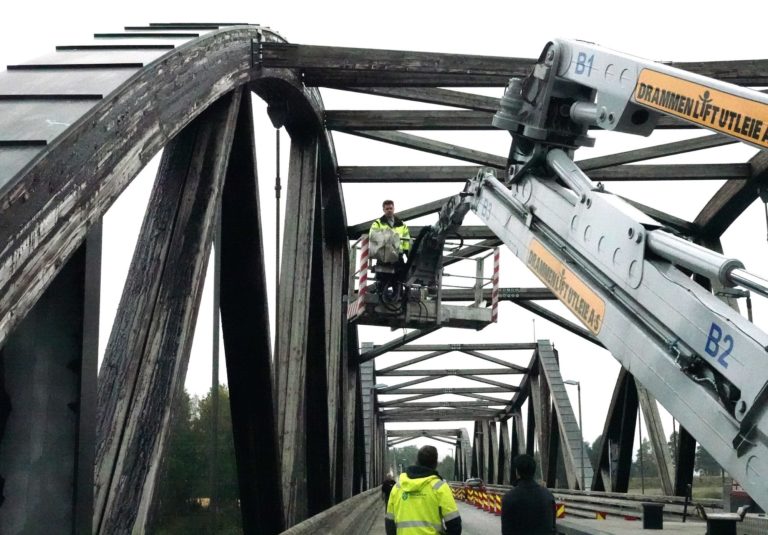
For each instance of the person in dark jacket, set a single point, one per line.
(421, 503)
(529, 508)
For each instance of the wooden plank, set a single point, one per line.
(678, 224)
(671, 172)
(465, 347)
(292, 325)
(618, 173)
(515, 367)
(411, 173)
(340, 79)
(456, 390)
(732, 199)
(153, 329)
(481, 379)
(395, 343)
(431, 146)
(438, 119)
(750, 72)
(245, 324)
(411, 361)
(657, 151)
(408, 120)
(345, 59)
(434, 95)
(558, 320)
(440, 373)
(399, 404)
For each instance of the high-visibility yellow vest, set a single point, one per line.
(399, 227)
(419, 506)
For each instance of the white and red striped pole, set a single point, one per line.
(363, 266)
(495, 290)
(356, 308)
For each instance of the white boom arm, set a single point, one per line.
(614, 267)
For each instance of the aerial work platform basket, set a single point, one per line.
(475, 292)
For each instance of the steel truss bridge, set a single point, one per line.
(79, 124)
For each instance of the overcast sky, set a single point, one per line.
(681, 31)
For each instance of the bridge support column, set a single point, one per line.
(614, 463)
(505, 454)
(245, 324)
(148, 351)
(48, 369)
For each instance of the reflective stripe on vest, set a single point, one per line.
(438, 484)
(419, 524)
(451, 516)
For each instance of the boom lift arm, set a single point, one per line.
(614, 267)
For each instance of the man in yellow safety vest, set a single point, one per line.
(422, 502)
(390, 221)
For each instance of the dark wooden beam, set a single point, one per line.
(751, 72)
(657, 151)
(402, 415)
(245, 324)
(337, 66)
(148, 351)
(618, 173)
(411, 173)
(434, 95)
(732, 199)
(466, 375)
(397, 342)
(294, 324)
(558, 320)
(465, 347)
(436, 119)
(408, 120)
(671, 172)
(411, 361)
(483, 356)
(681, 225)
(456, 390)
(441, 373)
(431, 146)
(438, 404)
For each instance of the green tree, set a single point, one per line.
(185, 484)
(181, 461)
(445, 467)
(705, 463)
(226, 467)
(650, 467)
(402, 457)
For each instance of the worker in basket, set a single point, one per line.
(389, 241)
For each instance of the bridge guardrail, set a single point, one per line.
(590, 503)
(354, 516)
